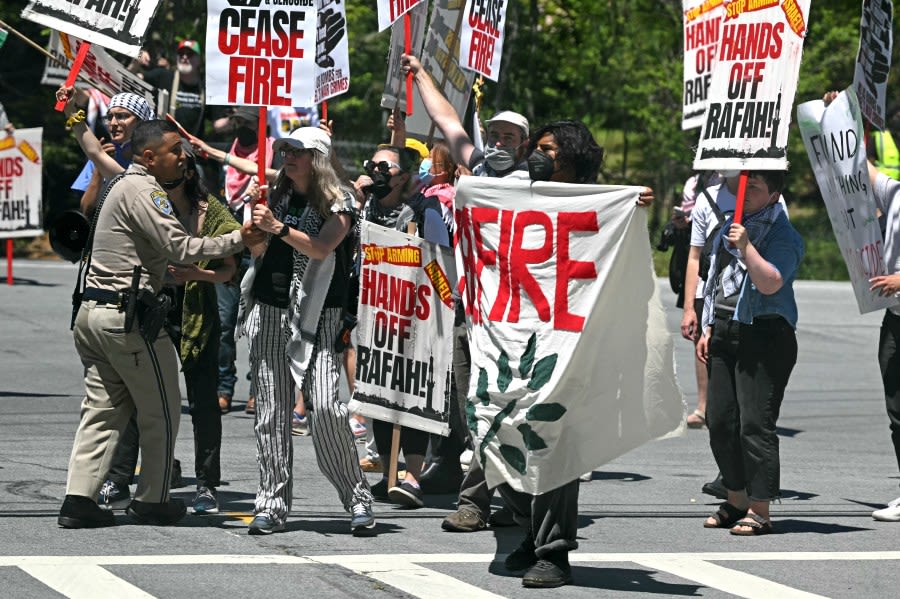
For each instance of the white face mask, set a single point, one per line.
(185, 68)
(500, 159)
(730, 174)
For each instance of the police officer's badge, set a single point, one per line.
(162, 202)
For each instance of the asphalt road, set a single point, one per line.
(641, 516)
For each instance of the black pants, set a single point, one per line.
(749, 370)
(889, 361)
(551, 518)
(412, 441)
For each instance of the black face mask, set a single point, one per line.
(246, 136)
(380, 186)
(172, 184)
(540, 166)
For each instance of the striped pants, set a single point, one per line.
(267, 329)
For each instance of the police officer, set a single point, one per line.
(128, 370)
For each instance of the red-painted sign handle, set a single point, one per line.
(261, 153)
(409, 76)
(73, 73)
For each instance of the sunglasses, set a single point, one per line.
(120, 117)
(294, 152)
(384, 167)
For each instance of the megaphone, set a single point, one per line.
(68, 235)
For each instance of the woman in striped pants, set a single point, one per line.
(291, 303)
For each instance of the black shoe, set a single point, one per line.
(83, 512)
(502, 518)
(158, 514)
(716, 488)
(406, 494)
(380, 490)
(552, 571)
(440, 479)
(523, 557)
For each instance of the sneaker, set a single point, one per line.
(224, 403)
(406, 494)
(889, 514)
(358, 429)
(369, 464)
(553, 571)
(205, 502)
(82, 512)
(263, 524)
(361, 518)
(114, 496)
(502, 518)
(176, 481)
(299, 425)
(523, 557)
(716, 488)
(157, 514)
(440, 479)
(464, 519)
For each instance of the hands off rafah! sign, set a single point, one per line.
(261, 52)
(753, 84)
(119, 25)
(481, 36)
(20, 183)
(873, 61)
(833, 137)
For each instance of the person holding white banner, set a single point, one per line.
(749, 341)
(292, 299)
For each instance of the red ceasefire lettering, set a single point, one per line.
(567, 269)
(521, 258)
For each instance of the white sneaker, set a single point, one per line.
(889, 514)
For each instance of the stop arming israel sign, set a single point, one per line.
(572, 363)
(260, 54)
(702, 22)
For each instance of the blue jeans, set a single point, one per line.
(228, 296)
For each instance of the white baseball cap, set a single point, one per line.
(514, 118)
(310, 138)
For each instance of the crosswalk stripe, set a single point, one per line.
(79, 581)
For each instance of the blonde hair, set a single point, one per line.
(325, 188)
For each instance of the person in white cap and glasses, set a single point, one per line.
(124, 112)
(292, 298)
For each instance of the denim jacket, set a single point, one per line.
(783, 247)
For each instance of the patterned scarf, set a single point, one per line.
(733, 273)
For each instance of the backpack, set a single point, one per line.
(706, 252)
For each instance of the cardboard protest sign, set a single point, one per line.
(481, 37)
(117, 25)
(572, 363)
(873, 61)
(21, 211)
(260, 54)
(441, 60)
(391, 10)
(835, 143)
(754, 80)
(105, 72)
(405, 331)
(394, 90)
(332, 51)
(702, 22)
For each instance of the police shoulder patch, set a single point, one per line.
(162, 202)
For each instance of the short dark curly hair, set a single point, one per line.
(577, 148)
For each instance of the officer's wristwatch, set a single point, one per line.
(284, 230)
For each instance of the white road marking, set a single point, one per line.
(83, 577)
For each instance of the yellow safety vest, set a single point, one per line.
(887, 157)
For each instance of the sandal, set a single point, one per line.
(757, 525)
(726, 516)
(699, 419)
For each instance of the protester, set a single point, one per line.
(136, 230)
(292, 298)
(187, 96)
(749, 319)
(4, 122)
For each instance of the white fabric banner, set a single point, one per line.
(119, 26)
(260, 54)
(405, 331)
(391, 10)
(873, 61)
(441, 60)
(107, 74)
(702, 23)
(754, 80)
(481, 37)
(834, 141)
(395, 83)
(332, 51)
(20, 183)
(572, 363)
